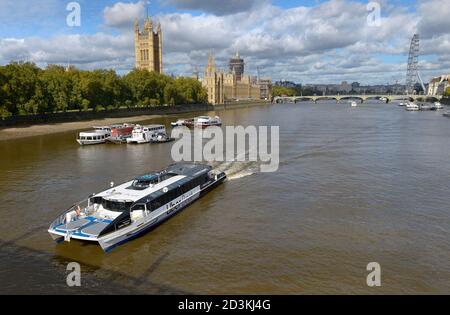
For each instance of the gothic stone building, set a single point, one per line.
(148, 46)
(223, 87)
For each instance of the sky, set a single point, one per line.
(306, 41)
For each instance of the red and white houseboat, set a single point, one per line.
(120, 133)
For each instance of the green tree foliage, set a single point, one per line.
(297, 91)
(282, 91)
(447, 92)
(27, 89)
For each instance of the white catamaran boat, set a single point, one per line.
(125, 212)
(98, 136)
(146, 134)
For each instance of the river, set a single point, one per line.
(354, 186)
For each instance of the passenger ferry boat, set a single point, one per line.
(119, 133)
(146, 134)
(125, 212)
(98, 136)
(206, 121)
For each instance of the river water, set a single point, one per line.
(354, 186)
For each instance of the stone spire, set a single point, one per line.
(211, 67)
(159, 27)
(136, 25)
(148, 25)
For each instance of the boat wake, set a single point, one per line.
(236, 170)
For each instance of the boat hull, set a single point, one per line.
(90, 142)
(137, 229)
(207, 125)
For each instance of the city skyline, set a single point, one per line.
(302, 41)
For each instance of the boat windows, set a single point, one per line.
(116, 206)
(145, 181)
(139, 206)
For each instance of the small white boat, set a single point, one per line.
(438, 105)
(424, 107)
(412, 107)
(180, 123)
(146, 134)
(402, 104)
(163, 138)
(353, 104)
(206, 121)
(98, 136)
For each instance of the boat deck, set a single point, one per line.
(85, 227)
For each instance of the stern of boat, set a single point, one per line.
(70, 226)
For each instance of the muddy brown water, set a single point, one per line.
(369, 184)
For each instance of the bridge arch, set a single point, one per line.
(326, 98)
(303, 98)
(350, 97)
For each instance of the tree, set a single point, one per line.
(20, 85)
(282, 91)
(27, 89)
(143, 84)
(58, 88)
(447, 92)
(3, 108)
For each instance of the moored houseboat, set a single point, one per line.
(120, 133)
(97, 136)
(145, 134)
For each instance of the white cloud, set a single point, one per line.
(217, 7)
(435, 17)
(328, 42)
(123, 14)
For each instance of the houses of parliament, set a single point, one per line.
(222, 86)
(148, 46)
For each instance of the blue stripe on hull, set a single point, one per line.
(159, 222)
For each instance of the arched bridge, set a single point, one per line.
(362, 98)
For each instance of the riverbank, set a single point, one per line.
(39, 129)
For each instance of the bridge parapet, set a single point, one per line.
(363, 98)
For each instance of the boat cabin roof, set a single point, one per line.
(94, 133)
(149, 184)
(135, 190)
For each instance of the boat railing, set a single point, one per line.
(83, 205)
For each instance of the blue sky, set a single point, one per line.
(305, 41)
